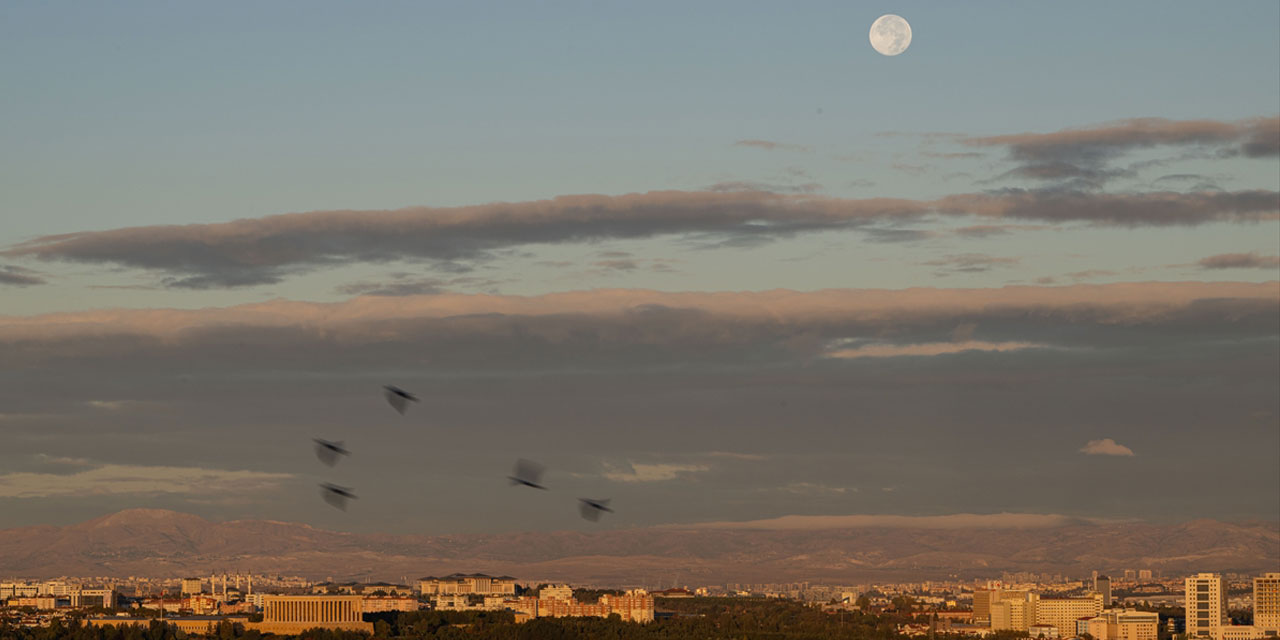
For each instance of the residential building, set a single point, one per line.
(1134, 625)
(1120, 624)
(42, 603)
(201, 605)
(18, 590)
(192, 586)
(633, 606)
(1046, 631)
(556, 592)
(1266, 603)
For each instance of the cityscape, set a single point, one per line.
(639, 320)
(1132, 604)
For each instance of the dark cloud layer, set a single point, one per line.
(264, 250)
(927, 391)
(624, 327)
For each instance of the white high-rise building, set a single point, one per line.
(1206, 606)
(1266, 603)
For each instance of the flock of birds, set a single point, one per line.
(527, 473)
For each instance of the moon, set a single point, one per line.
(890, 34)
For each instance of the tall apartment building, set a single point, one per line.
(982, 606)
(192, 586)
(1206, 605)
(1063, 613)
(1102, 585)
(1266, 603)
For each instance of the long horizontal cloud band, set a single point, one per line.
(263, 250)
(1256, 137)
(619, 327)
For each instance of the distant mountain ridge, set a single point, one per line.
(152, 542)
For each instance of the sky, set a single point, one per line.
(716, 261)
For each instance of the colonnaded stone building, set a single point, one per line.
(294, 614)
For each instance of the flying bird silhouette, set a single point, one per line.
(328, 452)
(527, 473)
(336, 496)
(399, 398)
(591, 509)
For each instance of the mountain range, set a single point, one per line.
(152, 542)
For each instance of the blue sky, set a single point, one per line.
(133, 117)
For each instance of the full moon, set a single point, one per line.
(890, 34)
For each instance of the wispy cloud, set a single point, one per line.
(113, 479)
(770, 187)
(18, 276)
(929, 349)
(1106, 447)
(638, 472)
(769, 145)
(1251, 260)
(737, 456)
(816, 488)
(955, 521)
(1084, 155)
(971, 263)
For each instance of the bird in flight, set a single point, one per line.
(399, 398)
(591, 509)
(527, 473)
(328, 452)
(336, 496)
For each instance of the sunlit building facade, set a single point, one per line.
(1206, 605)
(293, 614)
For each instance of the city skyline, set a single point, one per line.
(723, 265)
